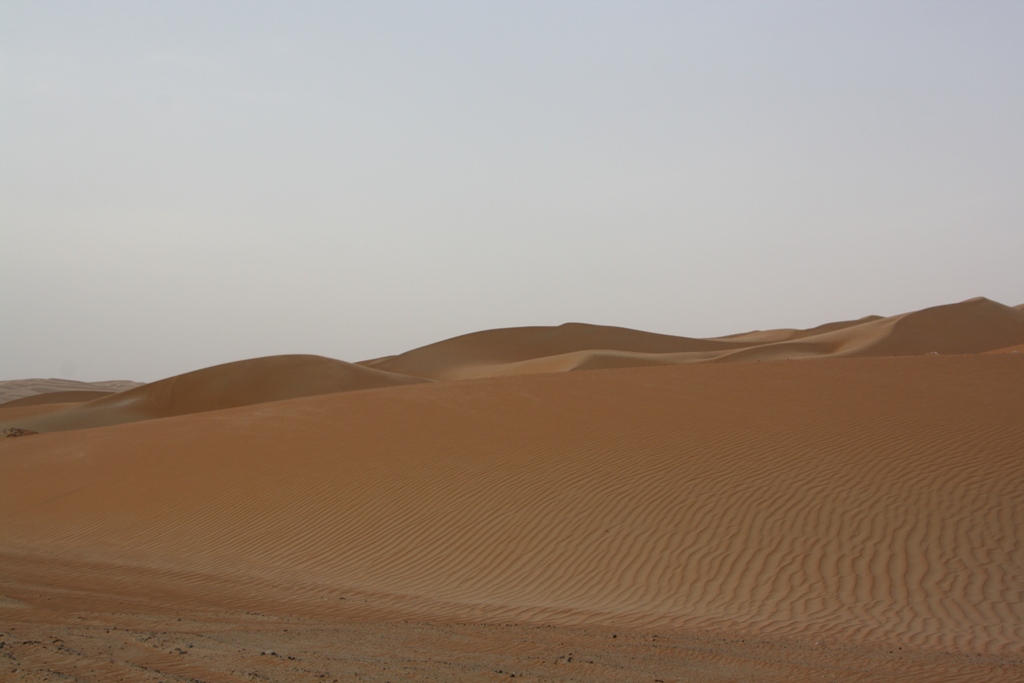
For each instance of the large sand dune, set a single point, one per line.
(56, 397)
(477, 354)
(14, 389)
(877, 499)
(973, 326)
(260, 380)
(868, 496)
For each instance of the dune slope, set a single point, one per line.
(258, 380)
(869, 499)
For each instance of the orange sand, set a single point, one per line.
(972, 326)
(874, 504)
(260, 380)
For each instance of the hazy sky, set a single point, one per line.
(185, 184)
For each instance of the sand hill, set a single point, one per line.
(485, 353)
(973, 326)
(12, 390)
(868, 501)
(259, 380)
(51, 397)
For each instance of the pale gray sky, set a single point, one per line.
(184, 184)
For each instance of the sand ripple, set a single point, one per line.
(873, 499)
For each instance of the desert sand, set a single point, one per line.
(12, 390)
(842, 503)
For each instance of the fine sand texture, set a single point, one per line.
(855, 515)
(856, 500)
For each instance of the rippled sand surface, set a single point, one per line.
(839, 517)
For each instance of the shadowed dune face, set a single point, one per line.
(869, 499)
(259, 380)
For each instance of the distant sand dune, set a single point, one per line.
(781, 335)
(969, 327)
(871, 499)
(973, 326)
(56, 397)
(14, 389)
(259, 380)
(474, 355)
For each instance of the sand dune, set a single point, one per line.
(259, 380)
(862, 511)
(789, 334)
(479, 353)
(873, 500)
(973, 326)
(14, 389)
(56, 397)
